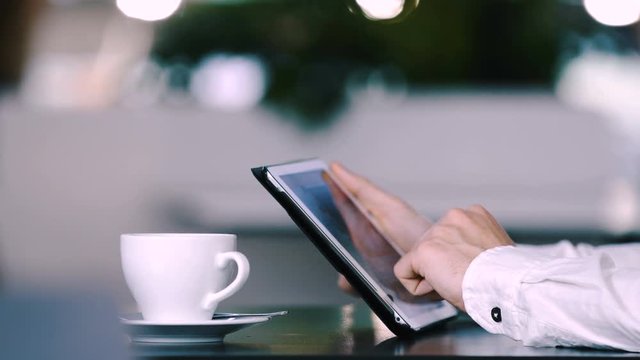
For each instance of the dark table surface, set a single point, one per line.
(354, 330)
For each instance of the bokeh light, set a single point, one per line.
(383, 10)
(148, 10)
(614, 12)
(229, 82)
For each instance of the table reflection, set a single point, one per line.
(463, 337)
(150, 350)
(355, 330)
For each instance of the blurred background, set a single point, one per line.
(146, 116)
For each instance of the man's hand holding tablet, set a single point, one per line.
(355, 226)
(436, 255)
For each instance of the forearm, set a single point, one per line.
(564, 296)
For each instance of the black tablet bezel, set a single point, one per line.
(393, 319)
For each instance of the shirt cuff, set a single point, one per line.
(491, 288)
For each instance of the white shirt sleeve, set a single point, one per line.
(558, 295)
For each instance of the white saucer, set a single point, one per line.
(196, 332)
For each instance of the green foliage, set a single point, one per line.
(312, 47)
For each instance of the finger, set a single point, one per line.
(406, 270)
(345, 286)
(480, 216)
(362, 189)
(478, 209)
(485, 214)
(400, 224)
(360, 231)
(339, 198)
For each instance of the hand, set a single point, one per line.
(398, 221)
(441, 258)
(376, 252)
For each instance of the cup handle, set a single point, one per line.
(222, 260)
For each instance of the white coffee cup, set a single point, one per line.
(178, 278)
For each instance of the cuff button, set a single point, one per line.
(496, 314)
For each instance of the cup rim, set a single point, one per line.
(198, 235)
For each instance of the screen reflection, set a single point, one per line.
(357, 235)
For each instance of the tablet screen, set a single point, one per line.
(337, 212)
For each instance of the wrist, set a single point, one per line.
(490, 287)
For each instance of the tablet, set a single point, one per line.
(351, 241)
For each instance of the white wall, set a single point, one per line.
(71, 182)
